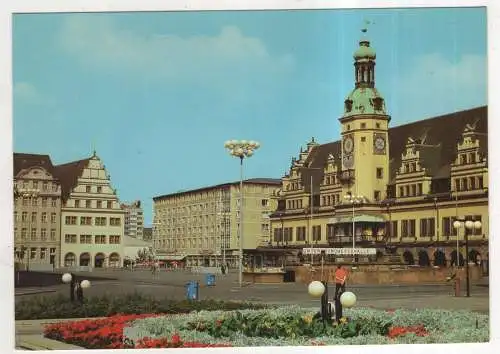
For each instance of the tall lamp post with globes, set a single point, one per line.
(470, 226)
(241, 149)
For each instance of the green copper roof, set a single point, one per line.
(364, 51)
(364, 101)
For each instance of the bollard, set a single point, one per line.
(457, 286)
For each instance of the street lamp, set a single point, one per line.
(241, 149)
(471, 226)
(354, 200)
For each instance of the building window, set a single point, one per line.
(330, 232)
(363, 125)
(25, 201)
(377, 125)
(278, 233)
(99, 204)
(44, 201)
(100, 239)
(288, 234)
(114, 222)
(394, 229)
(53, 218)
(88, 204)
(34, 202)
(376, 195)
(24, 233)
(45, 186)
(35, 184)
(448, 229)
(33, 216)
(413, 190)
(99, 189)
(24, 216)
(33, 235)
(15, 216)
(88, 189)
(427, 227)
(114, 239)
(32, 253)
(43, 234)
(380, 172)
(408, 228)
(54, 202)
(86, 239)
(54, 187)
(52, 234)
(100, 221)
(43, 253)
(463, 159)
(110, 204)
(300, 232)
(70, 220)
(363, 139)
(77, 203)
(265, 202)
(44, 217)
(85, 220)
(316, 233)
(70, 238)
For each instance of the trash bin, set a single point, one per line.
(192, 290)
(210, 280)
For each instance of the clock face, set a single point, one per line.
(348, 144)
(379, 143)
(348, 161)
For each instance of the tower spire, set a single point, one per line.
(364, 61)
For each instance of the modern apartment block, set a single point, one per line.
(201, 226)
(37, 212)
(134, 219)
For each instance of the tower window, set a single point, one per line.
(348, 127)
(363, 139)
(376, 195)
(377, 125)
(363, 125)
(380, 172)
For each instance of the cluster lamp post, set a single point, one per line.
(241, 149)
(471, 226)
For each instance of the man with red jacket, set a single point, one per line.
(340, 278)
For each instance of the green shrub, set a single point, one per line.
(59, 306)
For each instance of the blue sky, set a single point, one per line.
(157, 94)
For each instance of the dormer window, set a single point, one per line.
(377, 103)
(348, 105)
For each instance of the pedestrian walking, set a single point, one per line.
(340, 279)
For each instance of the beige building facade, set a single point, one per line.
(92, 221)
(201, 227)
(37, 205)
(398, 189)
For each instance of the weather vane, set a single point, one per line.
(365, 27)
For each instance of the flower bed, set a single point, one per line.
(273, 327)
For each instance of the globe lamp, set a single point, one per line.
(348, 299)
(66, 278)
(85, 284)
(316, 289)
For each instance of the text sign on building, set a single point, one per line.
(341, 251)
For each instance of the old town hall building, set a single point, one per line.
(398, 189)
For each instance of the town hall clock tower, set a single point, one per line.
(365, 124)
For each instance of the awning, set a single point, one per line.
(170, 257)
(357, 218)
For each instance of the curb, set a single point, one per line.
(34, 292)
(38, 342)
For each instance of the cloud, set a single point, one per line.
(435, 85)
(99, 43)
(27, 93)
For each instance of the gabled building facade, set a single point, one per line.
(37, 205)
(92, 221)
(398, 189)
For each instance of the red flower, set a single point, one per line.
(399, 331)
